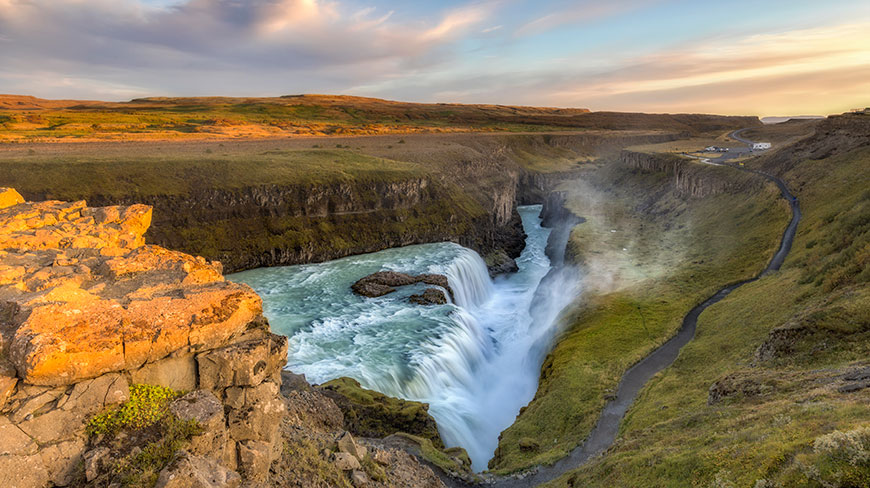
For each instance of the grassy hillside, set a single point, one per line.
(650, 254)
(769, 394)
(24, 119)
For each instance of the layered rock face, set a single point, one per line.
(87, 309)
(689, 178)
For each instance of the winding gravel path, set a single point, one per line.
(604, 433)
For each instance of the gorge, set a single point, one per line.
(475, 361)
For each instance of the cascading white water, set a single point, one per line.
(469, 279)
(475, 361)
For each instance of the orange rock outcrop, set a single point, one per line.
(81, 294)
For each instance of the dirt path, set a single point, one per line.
(604, 433)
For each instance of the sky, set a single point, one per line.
(760, 57)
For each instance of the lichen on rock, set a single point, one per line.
(88, 309)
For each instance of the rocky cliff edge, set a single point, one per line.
(88, 310)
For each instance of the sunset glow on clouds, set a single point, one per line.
(763, 58)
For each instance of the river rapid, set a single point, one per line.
(475, 361)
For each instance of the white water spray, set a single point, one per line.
(475, 361)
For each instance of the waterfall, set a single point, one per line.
(451, 360)
(475, 360)
(469, 279)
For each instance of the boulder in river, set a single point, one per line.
(385, 282)
(432, 296)
(381, 283)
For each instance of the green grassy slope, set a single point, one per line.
(650, 255)
(761, 397)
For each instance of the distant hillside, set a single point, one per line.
(26, 118)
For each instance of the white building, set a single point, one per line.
(760, 146)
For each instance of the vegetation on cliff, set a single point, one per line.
(368, 413)
(136, 440)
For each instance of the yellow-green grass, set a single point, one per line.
(302, 457)
(641, 280)
(772, 431)
(157, 173)
(143, 436)
(234, 118)
(452, 460)
(24, 119)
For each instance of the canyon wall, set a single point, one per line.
(690, 178)
(274, 225)
(464, 190)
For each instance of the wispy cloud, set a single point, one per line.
(578, 13)
(225, 37)
(803, 57)
(459, 20)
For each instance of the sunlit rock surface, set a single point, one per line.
(82, 295)
(87, 309)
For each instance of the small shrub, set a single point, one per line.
(151, 437)
(840, 459)
(147, 405)
(373, 469)
(141, 468)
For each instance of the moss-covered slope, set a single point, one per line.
(773, 390)
(651, 248)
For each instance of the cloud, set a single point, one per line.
(708, 74)
(320, 39)
(479, 52)
(577, 13)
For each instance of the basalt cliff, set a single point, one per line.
(127, 364)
